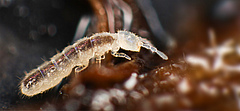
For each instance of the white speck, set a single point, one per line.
(131, 82)
(144, 90)
(204, 87)
(101, 101)
(163, 82)
(119, 95)
(198, 61)
(164, 99)
(173, 77)
(209, 90)
(235, 68)
(218, 63)
(222, 49)
(167, 74)
(136, 95)
(141, 76)
(184, 86)
(219, 53)
(177, 66)
(155, 84)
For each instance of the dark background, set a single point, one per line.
(31, 30)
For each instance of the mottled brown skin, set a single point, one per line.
(36, 75)
(64, 58)
(98, 41)
(71, 53)
(47, 68)
(60, 60)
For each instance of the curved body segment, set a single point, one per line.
(51, 73)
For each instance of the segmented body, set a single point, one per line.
(50, 73)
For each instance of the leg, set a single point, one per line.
(99, 58)
(123, 55)
(81, 65)
(79, 69)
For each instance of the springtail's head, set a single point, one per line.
(129, 41)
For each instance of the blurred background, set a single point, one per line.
(200, 37)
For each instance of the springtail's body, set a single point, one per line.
(50, 73)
